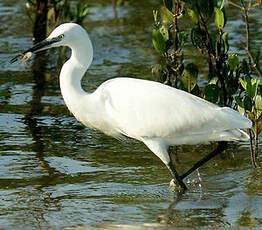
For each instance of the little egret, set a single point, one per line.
(156, 114)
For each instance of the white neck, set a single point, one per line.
(71, 74)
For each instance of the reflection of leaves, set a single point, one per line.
(189, 76)
(247, 220)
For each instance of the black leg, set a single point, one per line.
(174, 173)
(220, 148)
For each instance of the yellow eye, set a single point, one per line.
(61, 36)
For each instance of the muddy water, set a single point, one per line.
(55, 173)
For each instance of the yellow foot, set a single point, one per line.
(175, 187)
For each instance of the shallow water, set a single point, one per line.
(55, 173)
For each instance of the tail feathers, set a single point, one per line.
(234, 119)
(234, 135)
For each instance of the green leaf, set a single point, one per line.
(239, 101)
(81, 12)
(214, 80)
(250, 89)
(258, 105)
(243, 83)
(245, 67)
(219, 18)
(193, 15)
(211, 93)
(254, 86)
(253, 81)
(182, 37)
(168, 4)
(222, 4)
(198, 37)
(85, 10)
(166, 16)
(196, 91)
(241, 110)
(155, 13)
(225, 39)
(158, 41)
(206, 7)
(259, 124)
(248, 86)
(260, 89)
(247, 103)
(164, 31)
(77, 9)
(233, 61)
(189, 76)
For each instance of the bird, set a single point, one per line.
(151, 112)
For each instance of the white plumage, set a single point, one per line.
(151, 112)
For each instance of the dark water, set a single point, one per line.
(55, 173)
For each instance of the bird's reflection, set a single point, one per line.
(168, 216)
(33, 122)
(32, 119)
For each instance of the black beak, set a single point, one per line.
(37, 47)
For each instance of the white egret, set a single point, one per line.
(156, 114)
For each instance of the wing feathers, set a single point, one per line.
(140, 108)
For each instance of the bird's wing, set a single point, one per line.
(141, 108)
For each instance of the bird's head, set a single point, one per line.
(64, 35)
